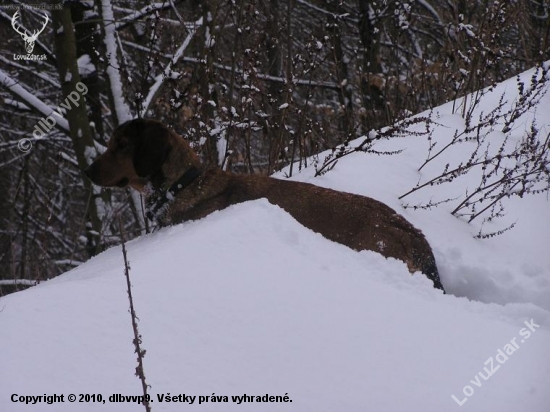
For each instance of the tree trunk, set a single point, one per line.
(88, 42)
(77, 117)
(373, 96)
(345, 91)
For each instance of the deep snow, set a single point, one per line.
(249, 301)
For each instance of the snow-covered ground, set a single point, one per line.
(512, 267)
(247, 301)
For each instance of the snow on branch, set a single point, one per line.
(262, 76)
(166, 72)
(31, 100)
(31, 70)
(26, 282)
(431, 10)
(136, 15)
(121, 108)
(323, 11)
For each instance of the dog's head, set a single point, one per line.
(134, 156)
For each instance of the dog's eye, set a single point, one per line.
(122, 144)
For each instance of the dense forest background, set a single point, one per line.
(254, 85)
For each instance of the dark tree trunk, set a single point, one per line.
(371, 88)
(77, 117)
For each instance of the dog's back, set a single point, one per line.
(358, 222)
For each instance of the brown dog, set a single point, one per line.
(149, 157)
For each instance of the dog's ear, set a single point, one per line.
(151, 148)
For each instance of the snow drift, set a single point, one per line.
(249, 302)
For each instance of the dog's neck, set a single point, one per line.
(180, 159)
(180, 169)
(159, 199)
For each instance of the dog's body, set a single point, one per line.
(148, 156)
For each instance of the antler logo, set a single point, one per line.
(29, 39)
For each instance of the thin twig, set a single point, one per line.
(140, 372)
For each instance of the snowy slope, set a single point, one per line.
(247, 301)
(512, 267)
